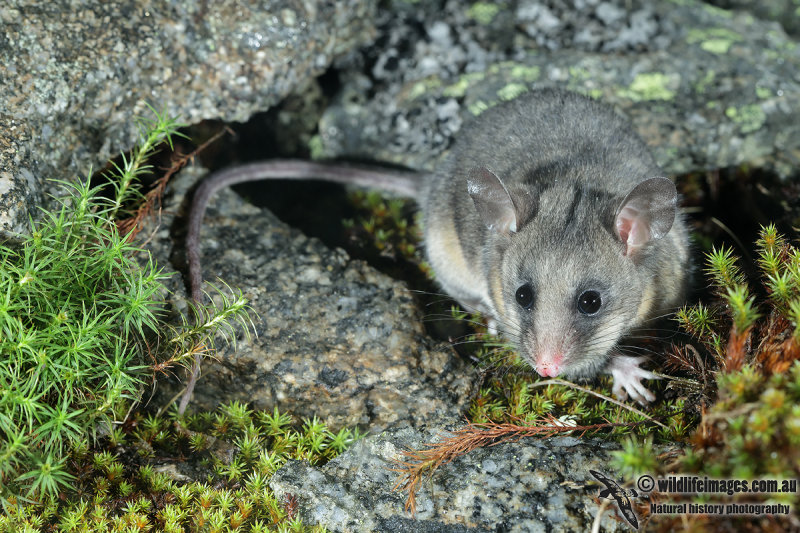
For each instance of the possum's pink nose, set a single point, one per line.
(547, 371)
(549, 365)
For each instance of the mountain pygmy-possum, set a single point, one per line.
(549, 215)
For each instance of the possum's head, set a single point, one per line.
(573, 269)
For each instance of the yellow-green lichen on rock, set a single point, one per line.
(479, 106)
(718, 11)
(525, 73)
(703, 83)
(484, 12)
(511, 91)
(424, 87)
(579, 73)
(716, 46)
(763, 93)
(649, 86)
(581, 81)
(459, 88)
(714, 40)
(749, 117)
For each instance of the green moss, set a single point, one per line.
(752, 429)
(756, 422)
(749, 117)
(76, 312)
(83, 328)
(636, 457)
(751, 365)
(389, 223)
(114, 495)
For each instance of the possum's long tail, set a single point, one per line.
(404, 183)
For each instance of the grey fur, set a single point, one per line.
(570, 165)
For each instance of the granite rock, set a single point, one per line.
(76, 74)
(530, 485)
(705, 87)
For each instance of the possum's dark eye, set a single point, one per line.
(589, 302)
(524, 296)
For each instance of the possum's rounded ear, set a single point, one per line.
(647, 213)
(492, 200)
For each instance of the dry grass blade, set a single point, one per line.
(473, 436)
(130, 226)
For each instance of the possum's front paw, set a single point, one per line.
(628, 378)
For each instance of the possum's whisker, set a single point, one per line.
(446, 318)
(657, 338)
(464, 342)
(627, 348)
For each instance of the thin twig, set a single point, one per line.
(557, 381)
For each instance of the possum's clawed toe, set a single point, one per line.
(628, 378)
